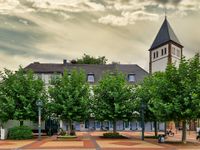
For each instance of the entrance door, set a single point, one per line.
(51, 126)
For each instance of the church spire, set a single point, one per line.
(165, 13)
(165, 35)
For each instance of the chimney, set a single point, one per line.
(64, 61)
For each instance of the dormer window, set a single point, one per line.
(131, 77)
(90, 77)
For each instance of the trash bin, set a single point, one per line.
(161, 138)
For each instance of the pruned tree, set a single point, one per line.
(146, 91)
(113, 99)
(70, 96)
(177, 98)
(18, 95)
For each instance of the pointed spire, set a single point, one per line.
(165, 13)
(165, 35)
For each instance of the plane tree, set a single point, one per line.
(177, 98)
(18, 95)
(113, 99)
(146, 91)
(69, 96)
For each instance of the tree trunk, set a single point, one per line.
(165, 128)
(184, 131)
(69, 126)
(155, 128)
(114, 126)
(21, 123)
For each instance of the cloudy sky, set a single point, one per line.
(121, 30)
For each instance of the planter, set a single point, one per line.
(66, 137)
(4, 133)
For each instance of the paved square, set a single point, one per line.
(92, 141)
(126, 144)
(8, 144)
(57, 144)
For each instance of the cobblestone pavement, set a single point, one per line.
(92, 141)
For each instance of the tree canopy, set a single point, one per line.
(113, 99)
(145, 91)
(18, 95)
(178, 92)
(87, 59)
(70, 96)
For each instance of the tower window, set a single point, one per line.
(178, 53)
(162, 52)
(165, 51)
(90, 78)
(156, 54)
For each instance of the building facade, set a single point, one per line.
(94, 72)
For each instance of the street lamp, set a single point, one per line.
(142, 120)
(39, 104)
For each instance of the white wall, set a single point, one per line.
(176, 55)
(13, 123)
(159, 63)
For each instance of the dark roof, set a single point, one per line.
(164, 35)
(95, 69)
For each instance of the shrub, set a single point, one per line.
(20, 133)
(61, 132)
(112, 135)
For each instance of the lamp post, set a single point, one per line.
(39, 104)
(142, 120)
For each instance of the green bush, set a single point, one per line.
(112, 135)
(20, 133)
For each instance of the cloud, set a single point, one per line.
(127, 18)
(70, 5)
(174, 2)
(13, 6)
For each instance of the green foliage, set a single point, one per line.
(87, 59)
(112, 135)
(151, 137)
(70, 96)
(20, 133)
(177, 98)
(146, 91)
(113, 99)
(62, 132)
(18, 95)
(175, 95)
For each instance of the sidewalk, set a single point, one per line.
(92, 141)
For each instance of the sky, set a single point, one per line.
(49, 31)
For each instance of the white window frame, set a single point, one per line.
(133, 75)
(88, 77)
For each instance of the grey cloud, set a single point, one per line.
(14, 42)
(175, 2)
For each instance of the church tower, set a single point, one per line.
(166, 48)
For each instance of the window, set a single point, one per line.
(162, 52)
(90, 78)
(131, 78)
(46, 78)
(156, 54)
(165, 51)
(178, 53)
